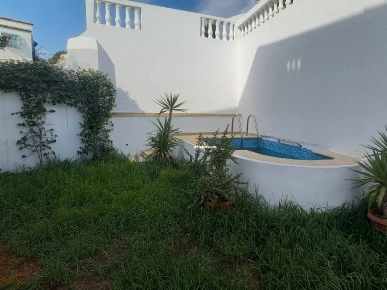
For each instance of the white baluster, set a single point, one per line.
(128, 21)
(107, 15)
(266, 14)
(288, 2)
(276, 11)
(210, 31)
(243, 30)
(137, 18)
(231, 33)
(98, 13)
(224, 31)
(262, 17)
(258, 21)
(247, 28)
(281, 5)
(203, 27)
(118, 16)
(271, 13)
(217, 31)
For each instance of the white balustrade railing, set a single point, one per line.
(267, 10)
(121, 12)
(217, 29)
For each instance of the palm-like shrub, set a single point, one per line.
(164, 140)
(374, 173)
(169, 103)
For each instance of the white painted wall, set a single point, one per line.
(129, 134)
(24, 31)
(316, 73)
(65, 122)
(167, 55)
(133, 130)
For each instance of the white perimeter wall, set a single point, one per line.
(317, 72)
(166, 55)
(65, 122)
(129, 134)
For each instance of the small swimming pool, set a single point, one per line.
(276, 149)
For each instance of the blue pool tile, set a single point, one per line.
(275, 149)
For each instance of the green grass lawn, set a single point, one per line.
(122, 225)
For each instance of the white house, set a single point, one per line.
(21, 42)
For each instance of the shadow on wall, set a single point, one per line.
(327, 86)
(126, 104)
(123, 100)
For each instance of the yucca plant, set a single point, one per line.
(169, 103)
(374, 173)
(162, 141)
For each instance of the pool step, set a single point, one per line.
(146, 153)
(136, 158)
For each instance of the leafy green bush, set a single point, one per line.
(209, 166)
(39, 84)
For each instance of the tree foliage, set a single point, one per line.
(4, 40)
(54, 59)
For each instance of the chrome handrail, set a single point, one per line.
(240, 127)
(239, 123)
(288, 141)
(256, 125)
(281, 140)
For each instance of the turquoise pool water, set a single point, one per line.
(276, 149)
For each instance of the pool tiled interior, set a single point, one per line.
(336, 158)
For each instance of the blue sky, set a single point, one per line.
(55, 21)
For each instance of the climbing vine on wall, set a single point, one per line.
(4, 40)
(40, 84)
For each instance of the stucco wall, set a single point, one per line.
(168, 55)
(129, 134)
(65, 122)
(24, 31)
(316, 73)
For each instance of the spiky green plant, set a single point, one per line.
(169, 103)
(212, 180)
(374, 173)
(162, 141)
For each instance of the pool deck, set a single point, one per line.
(338, 159)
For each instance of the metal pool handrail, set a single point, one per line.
(256, 125)
(239, 123)
(240, 127)
(281, 140)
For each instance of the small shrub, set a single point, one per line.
(210, 168)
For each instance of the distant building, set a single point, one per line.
(21, 44)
